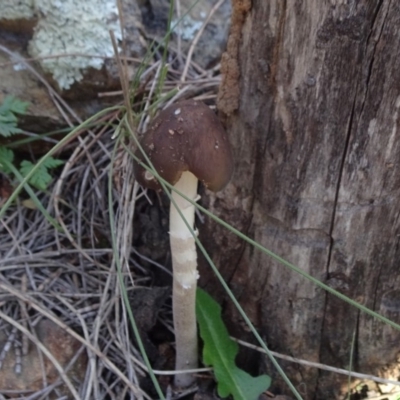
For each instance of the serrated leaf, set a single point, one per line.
(8, 119)
(220, 352)
(10, 103)
(41, 178)
(50, 162)
(8, 129)
(6, 156)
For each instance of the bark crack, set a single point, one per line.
(332, 222)
(367, 85)
(245, 231)
(352, 116)
(345, 154)
(339, 181)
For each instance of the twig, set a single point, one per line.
(319, 366)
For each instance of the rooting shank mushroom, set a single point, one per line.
(185, 143)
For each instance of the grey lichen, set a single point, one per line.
(11, 9)
(73, 35)
(187, 27)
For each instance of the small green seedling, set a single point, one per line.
(41, 178)
(220, 351)
(9, 110)
(8, 118)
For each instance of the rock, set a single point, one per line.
(16, 80)
(213, 40)
(72, 43)
(18, 16)
(18, 37)
(42, 115)
(48, 31)
(63, 347)
(71, 39)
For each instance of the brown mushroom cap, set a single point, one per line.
(186, 136)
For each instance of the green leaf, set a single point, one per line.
(51, 162)
(220, 352)
(8, 119)
(6, 157)
(10, 103)
(8, 127)
(41, 178)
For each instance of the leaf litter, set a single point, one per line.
(66, 279)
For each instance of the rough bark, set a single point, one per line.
(315, 130)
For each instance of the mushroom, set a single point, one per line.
(185, 143)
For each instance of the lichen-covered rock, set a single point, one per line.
(71, 39)
(76, 28)
(71, 46)
(13, 10)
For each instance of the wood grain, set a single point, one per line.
(316, 143)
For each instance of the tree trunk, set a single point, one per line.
(311, 93)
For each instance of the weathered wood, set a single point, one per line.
(316, 136)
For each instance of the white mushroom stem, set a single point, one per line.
(184, 264)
